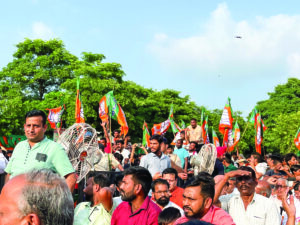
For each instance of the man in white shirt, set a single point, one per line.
(124, 152)
(249, 208)
(161, 194)
(257, 165)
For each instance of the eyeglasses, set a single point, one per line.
(162, 192)
(280, 186)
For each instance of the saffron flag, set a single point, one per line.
(226, 123)
(258, 136)
(109, 105)
(174, 126)
(215, 139)
(297, 139)
(146, 135)
(54, 117)
(161, 128)
(236, 136)
(205, 130)
(79, 115)
(103, 109)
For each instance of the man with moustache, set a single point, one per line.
(197, 202)
(136, 208)
(250, 208)
(38, 152)
(99, 207)
(155, 161)
(161, 194)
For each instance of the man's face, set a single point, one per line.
(179, 144)
(34, 129)
(278, 166)
(154, 145)
(9, 202)
(127, 189)
(119, 146)
(116, 134)
(293, 161)
(103, 142)
(192, 147)
(246, 185)
(161, 195)
(169, 151)
(193, 123)
(171, 180)
(182, 136)
(281, 187)
(194, 205)
(252, 159)
(88, 191)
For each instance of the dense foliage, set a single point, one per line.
(43, 74)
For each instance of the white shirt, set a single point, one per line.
(261, 211)
(3, 163)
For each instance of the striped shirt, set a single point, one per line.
(261, 211)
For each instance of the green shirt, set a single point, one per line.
(229, 168)
(85, 214)
(46, 154)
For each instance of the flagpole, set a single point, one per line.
(245, 130)
(109, 165)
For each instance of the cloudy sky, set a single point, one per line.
(190, 45)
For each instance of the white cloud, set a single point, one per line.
(42, 31)
(266, 43)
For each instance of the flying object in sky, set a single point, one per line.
(240, 37)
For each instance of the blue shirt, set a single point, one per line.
(155, 164)
(182, 154)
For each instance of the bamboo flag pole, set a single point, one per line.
(109, 164)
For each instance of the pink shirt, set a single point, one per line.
(146, 215)
(215, 215)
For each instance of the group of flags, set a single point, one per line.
(110, 108)
(231, 134)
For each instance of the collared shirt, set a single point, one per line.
(195, 134)
(261, 211)
(182, 154)
(176, 196)
(85, 214)
(46, 154)
(146, 215)
(155, 164)
(215, 215)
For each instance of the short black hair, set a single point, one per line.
(257, 156)
(102, 180)
(157, 137)
(289, 156)
(118, 179)
(294, 168)
(120, 141)
(101, 146)
(170, 171)
(118, 156)
(37, 112)
(103, 139)
(159, 181)
(194, 119)
(140, 175)
(168, 215)
(207, 184)
(249, 169)
(276, 158)
(194, 142)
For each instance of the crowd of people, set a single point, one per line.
(179, 182)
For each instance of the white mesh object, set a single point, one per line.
(205, 160)
(80, 143)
